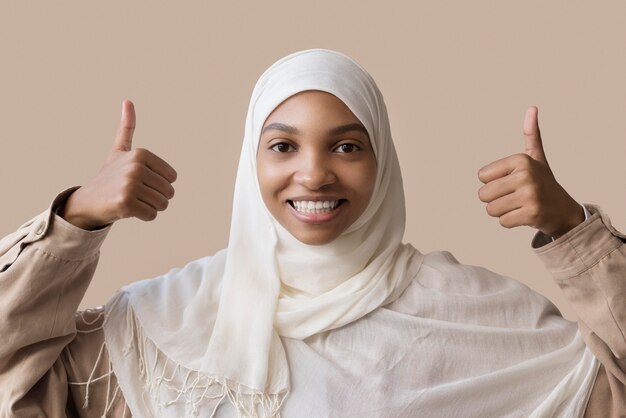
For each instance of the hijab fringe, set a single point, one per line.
(169, 383)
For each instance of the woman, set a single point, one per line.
(316, 308)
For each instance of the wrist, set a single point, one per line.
(69, 212)
(577, 217)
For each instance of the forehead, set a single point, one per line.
(309, 106)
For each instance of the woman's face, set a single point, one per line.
(315, 165)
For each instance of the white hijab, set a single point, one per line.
(223, 326)
(330, 285)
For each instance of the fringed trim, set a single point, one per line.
(269, 404)
(168, 384)
(111, 398)
(81, 314)
(84, 321)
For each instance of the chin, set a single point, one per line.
(315, 239)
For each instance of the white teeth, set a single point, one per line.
(319, 206)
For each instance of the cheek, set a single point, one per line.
(361, 180)
(270, 181)
(367, 181)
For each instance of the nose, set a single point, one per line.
(315, 171)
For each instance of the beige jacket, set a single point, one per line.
(54, 363)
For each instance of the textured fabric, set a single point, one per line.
(439, 339)
(460, 331)
(61, 368)
(592, 246)
(456, 333)
(364, 268)
(45, 268)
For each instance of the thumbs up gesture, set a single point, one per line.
(130, 183)
(521, 189)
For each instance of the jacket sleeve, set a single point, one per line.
(589, 265)
(45, 269)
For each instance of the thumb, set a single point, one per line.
(532, 136)
(124, 138)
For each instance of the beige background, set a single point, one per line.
(457, 78)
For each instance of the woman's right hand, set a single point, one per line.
(131, 183)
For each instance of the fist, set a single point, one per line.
(521, 189)
(131, 183)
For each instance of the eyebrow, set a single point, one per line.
(348, 128)
(342, 129)
(280, 127)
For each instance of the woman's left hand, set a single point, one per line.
(521, 189)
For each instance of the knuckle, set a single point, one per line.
(534, 213)
(505, 222)
(129, 188)
(124, 202)
(516, 159)
(123, 208)
(528, 216)
(139, 153)
(531, 193)
(523, 160)
(135, 169)
(526, 195)
(481, 195)
(524, 175)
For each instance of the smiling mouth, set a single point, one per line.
(320, 206)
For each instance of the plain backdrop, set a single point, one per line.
(457, 77)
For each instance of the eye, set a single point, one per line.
(347, 148)
(282, 147)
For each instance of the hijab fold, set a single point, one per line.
(366, 267)
(220, 325)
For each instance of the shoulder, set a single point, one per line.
(163, 300)
(442, 271)
(180, 283)
(445, 289)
